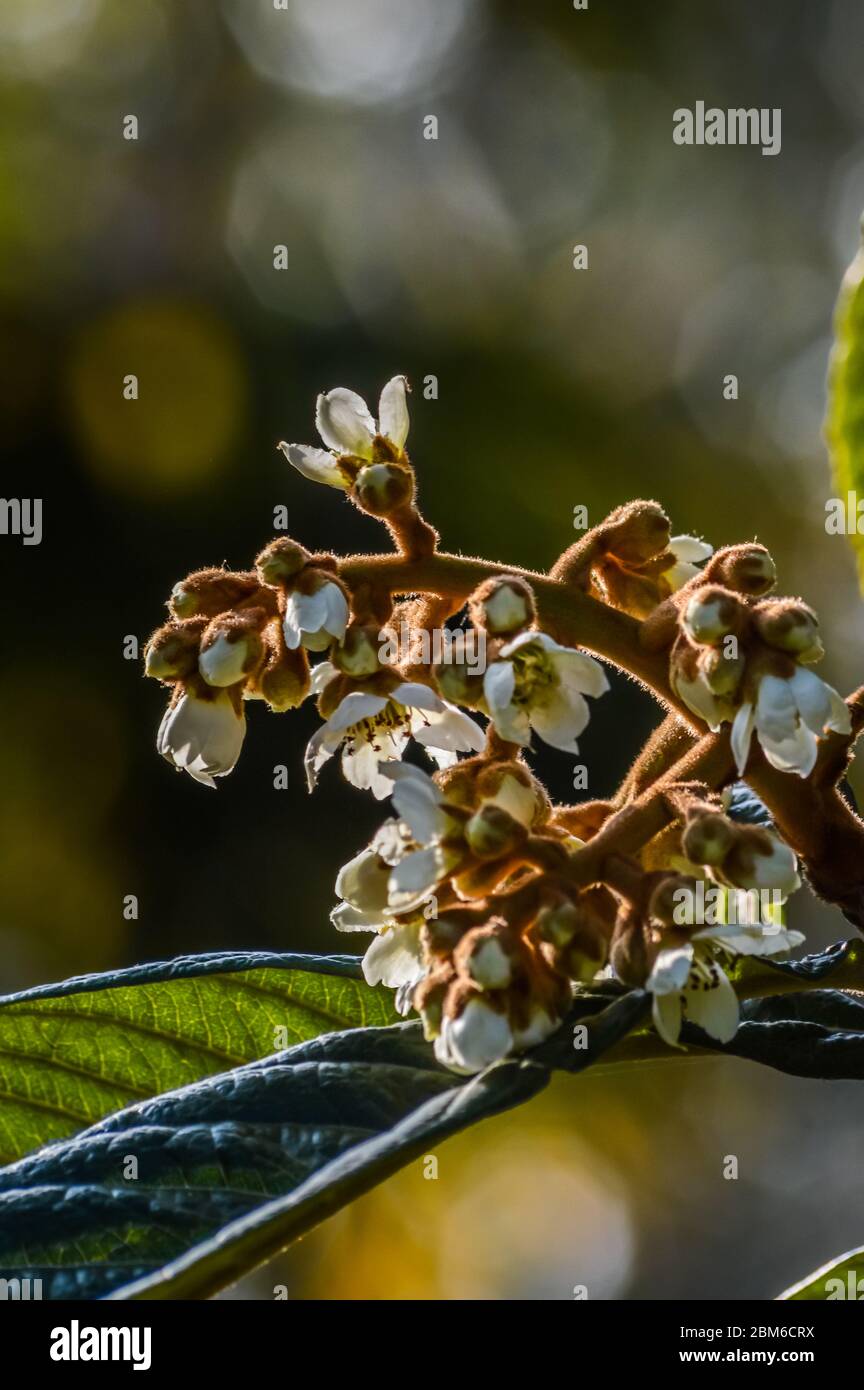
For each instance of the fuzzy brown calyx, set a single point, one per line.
(748, 569)
(791, 626)
(281, 561)
(171, 652)
(205, 593)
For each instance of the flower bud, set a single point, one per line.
(628, 953)
(707, 838)
(281, 560)
(457, 684)
(206, 593)
(503, 605)
(357, 654)
(790, 627)
(486, 956)
(711, 614)
(748, 569)
(583, 957)
(665, 903)
(636, 532)
(381, 488)
(230, 649)
(492, 831)
(559, 923)
(285, 681)
(172, 652)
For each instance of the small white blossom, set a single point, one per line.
(347, 428)
(202, 736)
(372, 729)
(789, 716)
(690, 981)
(537, 684)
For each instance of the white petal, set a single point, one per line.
(479, 1036)
(417, 800)
(795, 754)
(699, 697)
(317, 753)
(690, 549)
(363, 882)
(360, 767)
(393, 411)
(322, 674)
(394, 958)
(354, 708)
(776, 709)
(820, 706)
(451, 729)
(560, 720)
(671, 970)
(499, 685)
(742, 732)
(524, 639)
(812, 697)
(303, 613)
(752, 941)
(344, 422)
(666, 1016)
(319, 465)
(336, 611)
(413, 695)
(715, 1008)
(414, 877)
(579, 672)
(223, 661)
(348, 918)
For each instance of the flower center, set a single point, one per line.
(536, 677)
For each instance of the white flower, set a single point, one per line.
(689, 554)
(203, 737)
(347, 428)
(690, 980)
(537, 684)
(315, 620)
(789, 716)
(394, 957)
(376, 728)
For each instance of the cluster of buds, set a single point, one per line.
(741, 658)
(488, 905)
(224, 643)
(476, 922)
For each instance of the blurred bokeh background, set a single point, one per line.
(300, 124)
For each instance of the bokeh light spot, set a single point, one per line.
(191, 401)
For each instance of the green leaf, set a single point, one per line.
(818, 1033)
(233, 1168)
(845, 1273)
(844, 425)
(74, 1052)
